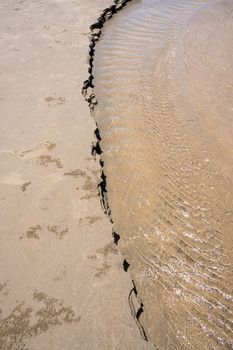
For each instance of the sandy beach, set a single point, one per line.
(123, 244)
(62, 285)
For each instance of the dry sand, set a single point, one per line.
(61, 280)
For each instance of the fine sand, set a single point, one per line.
(62, 285)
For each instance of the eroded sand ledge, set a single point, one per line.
(135, 303)
(62, 285)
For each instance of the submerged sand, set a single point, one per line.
(62, 285)
(163, 80)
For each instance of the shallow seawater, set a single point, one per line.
(164, 83)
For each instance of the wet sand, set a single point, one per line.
(163, 80)
(62, 285)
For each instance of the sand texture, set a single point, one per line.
(62, 285)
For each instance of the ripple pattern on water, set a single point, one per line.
(163, 79)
